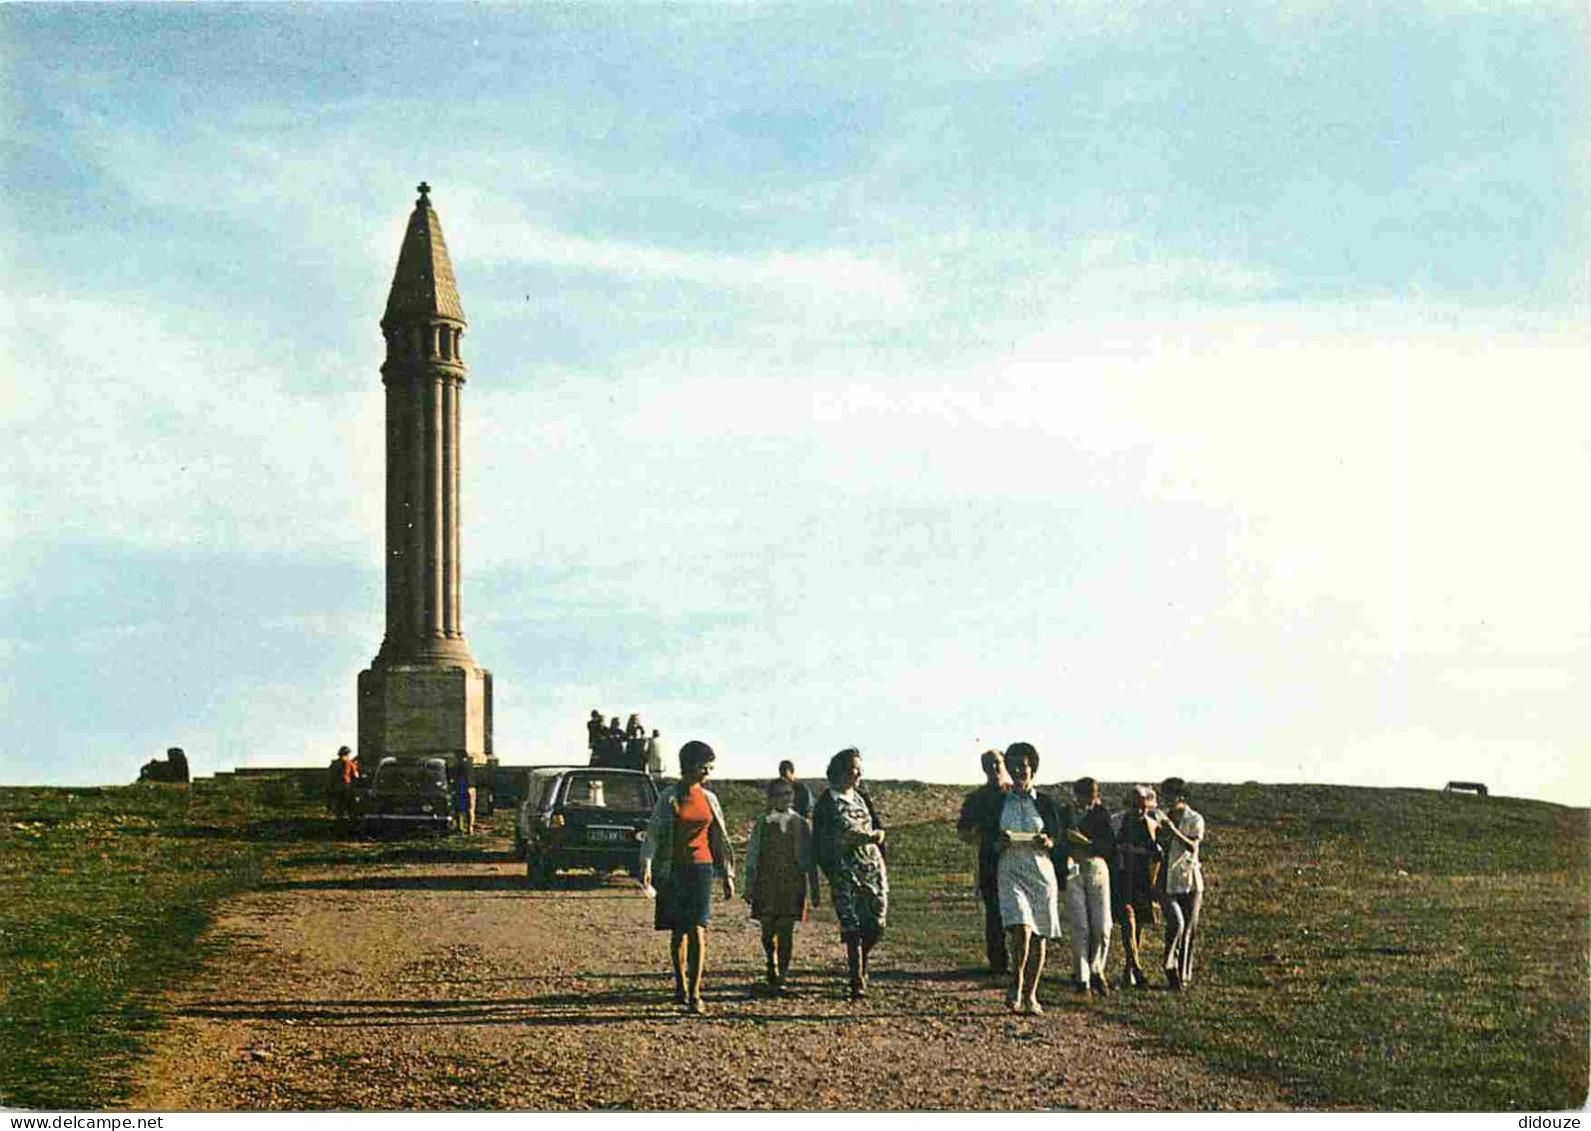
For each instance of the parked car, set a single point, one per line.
(583, 817)
(407, 794)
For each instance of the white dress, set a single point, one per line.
(1028, 889)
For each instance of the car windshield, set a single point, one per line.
(604, 791)
(399, 775)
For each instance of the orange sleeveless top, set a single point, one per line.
(693, 816)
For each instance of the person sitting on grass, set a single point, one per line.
(687, 841)
(780, 877)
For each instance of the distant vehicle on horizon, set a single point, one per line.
(583, 817)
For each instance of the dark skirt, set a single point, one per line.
(684, 898)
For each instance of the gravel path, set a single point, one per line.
(432, 987)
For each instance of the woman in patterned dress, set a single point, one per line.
(1028, 883)
(847, 839)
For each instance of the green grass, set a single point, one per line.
(1386, 949)
(103, 895)
(1460, 985)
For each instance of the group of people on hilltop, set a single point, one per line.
(840, 834)
(626, 747)
(1035, 855)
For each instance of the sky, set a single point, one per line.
(1197, 389)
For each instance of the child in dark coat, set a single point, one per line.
(780, 876)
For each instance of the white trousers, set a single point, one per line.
(1088, 917)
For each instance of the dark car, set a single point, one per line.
(408, 794)
(583, 817)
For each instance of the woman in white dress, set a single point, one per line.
(1028, 884)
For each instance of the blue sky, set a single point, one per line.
(1196, 391)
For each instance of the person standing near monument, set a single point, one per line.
(613, 744)
(687, 842)
(594, 734)
(654, 754)
(978, 824)
(634, 744)
(464, 770)
(341, 778)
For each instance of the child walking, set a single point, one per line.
(780, 875)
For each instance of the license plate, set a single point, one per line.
(610, 836)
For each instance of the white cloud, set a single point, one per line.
(151, 429)
(498, 231)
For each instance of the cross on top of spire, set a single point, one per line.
(424, 191)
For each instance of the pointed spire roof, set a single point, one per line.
(423, 286)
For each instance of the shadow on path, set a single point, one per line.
(562, 887)
(567, 1009)
(457, 882)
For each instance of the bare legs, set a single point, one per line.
(688, 952)
(1026, 951)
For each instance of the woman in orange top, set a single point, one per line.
(686, 842)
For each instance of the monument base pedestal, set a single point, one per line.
(424, 710)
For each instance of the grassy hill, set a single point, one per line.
(1389, 949)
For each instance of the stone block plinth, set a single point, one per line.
(424, 710)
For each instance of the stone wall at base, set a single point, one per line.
(424, 710)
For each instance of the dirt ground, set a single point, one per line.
(445, 987)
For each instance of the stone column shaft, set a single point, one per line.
(423, 694)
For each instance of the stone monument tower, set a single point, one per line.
(423, 694)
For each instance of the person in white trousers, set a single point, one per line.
(1091, 844)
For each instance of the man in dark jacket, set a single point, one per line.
(803, 795)
(980, 812)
